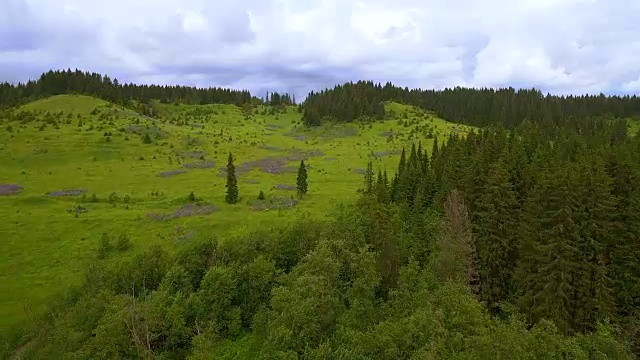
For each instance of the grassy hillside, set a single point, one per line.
(86, 147)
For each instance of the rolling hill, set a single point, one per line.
(80, 169)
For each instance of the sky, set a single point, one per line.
(295, 46)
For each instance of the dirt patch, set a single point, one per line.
(10, 189)
(284, 187)
(200, 165)
(184, 211)
(300, 138)
(387, 133)
(274, 203)
(67, 192)
(171, 173)
(275, 164)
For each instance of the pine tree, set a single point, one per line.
(368, 178)
(398, 192)
(494, 226)
(301, 181)
(232, 182)
(549, 251)
(594, 217)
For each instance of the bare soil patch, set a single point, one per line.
(274, 203)
(171, 173)
(275, 164)
(10, 189)
(67, 192)
(184, 211)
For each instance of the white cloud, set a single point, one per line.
(562, 46)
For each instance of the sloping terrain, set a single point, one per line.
(85, 167)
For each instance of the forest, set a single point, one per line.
(479, 107)
(519, 240)
(494, 245)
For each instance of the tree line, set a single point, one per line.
(479, 107)
(102, 86)
(554, 220)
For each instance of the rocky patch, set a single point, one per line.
(184, 211)
(171, 173)
(67, 192)
(10, 189)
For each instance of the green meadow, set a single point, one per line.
(120, 185)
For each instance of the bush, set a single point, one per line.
(124, 243)
(261, 195)
(113, 198)
(104, 245)
(94, 198)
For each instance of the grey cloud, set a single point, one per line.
(298, 46)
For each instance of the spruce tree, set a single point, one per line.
(494, 226)
(368, 178)
(301, 181)
(232, 182)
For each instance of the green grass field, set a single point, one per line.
(44, 246)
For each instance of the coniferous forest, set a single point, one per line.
(520, 240)
(478, 107)
(102, 86)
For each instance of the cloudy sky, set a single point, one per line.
(559, 46)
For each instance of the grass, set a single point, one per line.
(45, 248)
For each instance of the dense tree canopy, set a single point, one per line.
(480, 107)
(102, 86)
(554, 219)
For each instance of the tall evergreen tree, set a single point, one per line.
(232, 195)
(495, 225)
(301, 181)
(368, 178)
